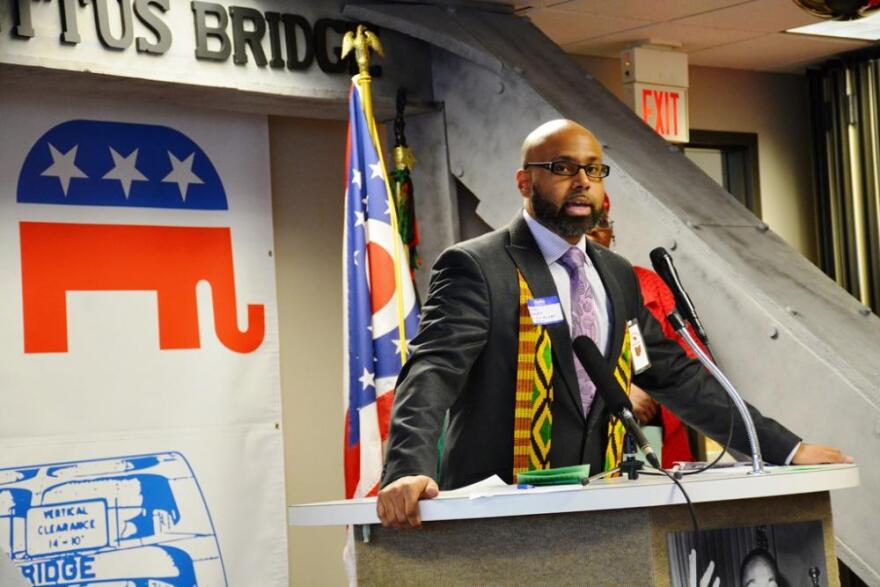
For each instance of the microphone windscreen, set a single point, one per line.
(594, 364)
(658, 256)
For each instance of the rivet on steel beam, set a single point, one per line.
(500, 87)
(458, 171)
(517, 69)
(774, 334)
(763, 227)
(792, 311)
(673, 245)
(865, 311)
(692, 224)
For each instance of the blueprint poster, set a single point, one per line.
(140, 438)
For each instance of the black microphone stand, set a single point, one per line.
(630, 464)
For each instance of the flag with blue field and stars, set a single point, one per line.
(381, 313)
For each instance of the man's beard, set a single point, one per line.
(560, 221)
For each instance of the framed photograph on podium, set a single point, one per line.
(773, 554)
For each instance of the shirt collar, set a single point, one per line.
(552, 245)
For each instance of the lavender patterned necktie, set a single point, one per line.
(583, 316)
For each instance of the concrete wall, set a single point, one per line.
(773, 105)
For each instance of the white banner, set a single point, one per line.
(139, 379)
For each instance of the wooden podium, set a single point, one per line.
(611, 532)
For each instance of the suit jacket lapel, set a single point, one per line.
(528, 258)
(615, 296)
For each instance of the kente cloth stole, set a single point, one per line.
(616, 431)
(532, 420)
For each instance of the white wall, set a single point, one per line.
(776, 107)
(307, 159)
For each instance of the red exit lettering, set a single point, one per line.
(660, 110)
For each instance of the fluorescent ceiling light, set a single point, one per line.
(866, 29)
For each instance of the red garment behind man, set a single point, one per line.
(660, 302)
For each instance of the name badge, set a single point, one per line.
(637, 348)
(546, 310)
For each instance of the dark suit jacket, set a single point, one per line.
(464, 359)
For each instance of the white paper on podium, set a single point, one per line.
(478, 489)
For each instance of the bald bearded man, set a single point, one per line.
(480, 336)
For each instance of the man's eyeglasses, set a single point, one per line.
(570, 168)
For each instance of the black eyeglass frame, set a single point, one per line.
(604, 169)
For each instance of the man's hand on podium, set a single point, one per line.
(398, 503)
(817, 454)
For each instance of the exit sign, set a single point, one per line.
(663, 108)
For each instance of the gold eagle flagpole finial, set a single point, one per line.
(362, 41)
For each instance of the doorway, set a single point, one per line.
(731, 159)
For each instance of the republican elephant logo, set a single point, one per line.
(171, 260)
(134, 166)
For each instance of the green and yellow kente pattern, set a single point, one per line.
(533, 419)
(616, 431)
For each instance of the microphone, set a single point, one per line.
(594, 364)
(663, 265)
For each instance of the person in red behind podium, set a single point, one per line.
(495, 346)
(659, 300)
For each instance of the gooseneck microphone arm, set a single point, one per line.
(679, 326)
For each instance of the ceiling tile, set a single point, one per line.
(739, 34)
(565, 27)
(773, 52)
(691, 38)
(653, 10)
(766, 16)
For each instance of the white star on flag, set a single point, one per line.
(397, 345)
(367, 379)
(360, 219)
(182, 174)
(124, 170)
(356, 177)
(356, 253)
(377, 170)
(64, 167)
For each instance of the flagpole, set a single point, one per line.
(362, 42)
